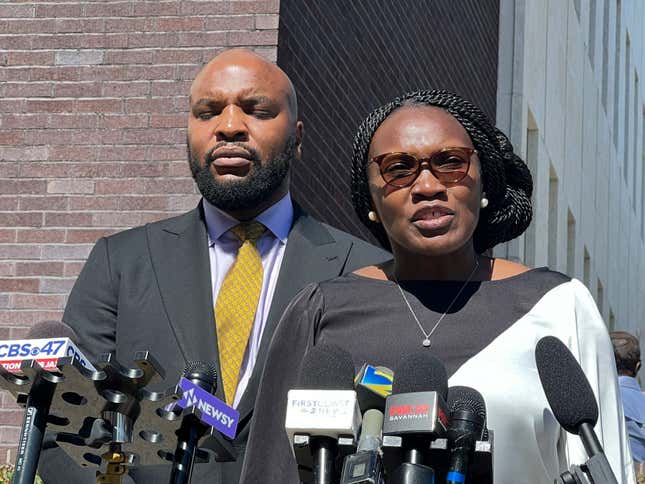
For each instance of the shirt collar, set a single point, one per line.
(629, 382)
(277, 218)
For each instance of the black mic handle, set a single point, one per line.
(408, 473)
(458, 461)
(323, 459)
(589, 439)
(33, 431)
(188, 437)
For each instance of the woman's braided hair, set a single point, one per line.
(506, 178)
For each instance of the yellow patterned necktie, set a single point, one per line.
(237, 303)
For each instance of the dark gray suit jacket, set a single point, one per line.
(149, 288)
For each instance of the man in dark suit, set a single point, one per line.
(166, 287)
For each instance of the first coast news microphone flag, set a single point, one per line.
(343, 428)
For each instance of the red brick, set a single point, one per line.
(9, 203)
(9, 170)
(22, 121)
(97, 137)
(156, 8)
(155, 39)
(149, 217)
(25, 26)
(17, 11)
(264, 6)
(40, 268)
(178, 56)
(148, 169)
(61, 219)
(155, 136)
(9, 434)
(19, 42)
(168, 121)
(143, 203)
(21, 219)
(213, 7)
(51, 285)
(15, 284)
(120, 121)
(30, 58)
(7, 236)
(73, 153)
(59, 10)
(10, 417)
(65, 251)
(182, 203)
(99, 9)
(72, 121)
(7, 268)
(93, 203)
(239, 22)
(126, 89)
(12, 105)
(78, 170)
(149, 105)
(258, 37)
(129, 56)
(49, 105)
(99, 105)
(171, 24)
(71, 25)
(200, 39)
(116, 219)
(73, 269)
(170, 185)
(41, 301)
(267, 21)
(84, 89)
(121, 153)
(49, 137)
(17, 251)
(11, 138)
(124, 185)
(22, 186)
(86, 236)
(170, 88)
(27, 89)
(102, 73)
(169, 153)
(54, 73)
(141, 24)
(43, 203)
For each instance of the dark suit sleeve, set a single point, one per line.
(268, 453)
(92, 306)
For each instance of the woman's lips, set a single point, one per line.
(434, 223)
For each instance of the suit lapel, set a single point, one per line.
(311, 255)
(179, 253)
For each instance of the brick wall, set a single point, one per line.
(92, 115)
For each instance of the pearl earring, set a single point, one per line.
(484, 202)
(372, 216)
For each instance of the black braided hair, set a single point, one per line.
(506, 178)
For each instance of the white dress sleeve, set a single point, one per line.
(530, 447)
(591, 346)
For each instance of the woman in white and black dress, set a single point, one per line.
(439, 185)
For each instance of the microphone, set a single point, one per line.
(46, 344)
(415, 415)
(467, 423)
(373, 385)
(321, 412)
(202, 376)
(573, 403)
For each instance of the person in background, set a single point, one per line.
(628, 361)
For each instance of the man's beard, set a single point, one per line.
(262, 181)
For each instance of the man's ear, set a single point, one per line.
(300, 134)
(638, 367)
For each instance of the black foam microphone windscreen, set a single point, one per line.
(327, 367)
(420, 372)
(51, 329)
(566, 387)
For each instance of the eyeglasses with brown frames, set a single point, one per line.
(448, 165)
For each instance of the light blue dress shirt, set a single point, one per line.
(224, 246)
(634, 407)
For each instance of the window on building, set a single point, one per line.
(635, 143)
(532, 139)
(600, 295)
(627, 101)
(605, 53)
(617, 73)
(586, 274)
(571, 244)
(553, 217)
(592, 32)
